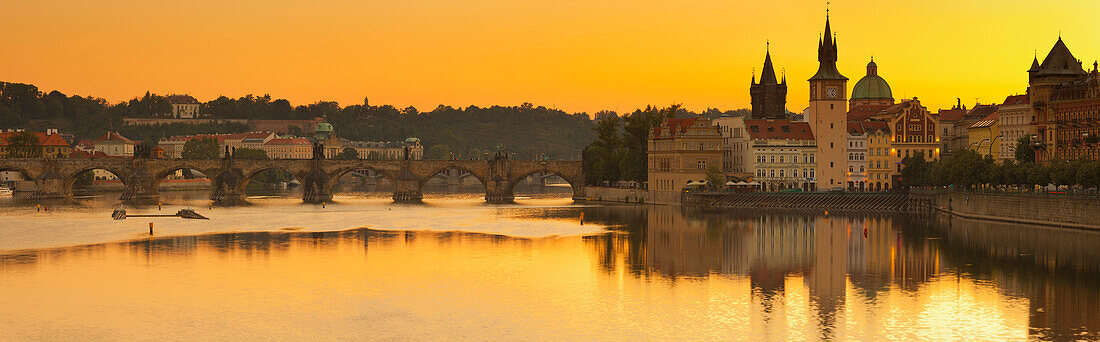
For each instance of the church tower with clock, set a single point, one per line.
(828, 114)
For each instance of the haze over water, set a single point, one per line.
(456, 269)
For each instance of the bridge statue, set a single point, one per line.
(54, 178)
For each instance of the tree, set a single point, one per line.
(1024, 152)
(24, 145)
(715, 176)
(84, 179)
(347, 154)
(915, 171)
(248, 153)
(438, 152)
(202, 148)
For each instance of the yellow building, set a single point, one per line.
(680, 150)
(53, 146)
(984, 136)
(880, 162)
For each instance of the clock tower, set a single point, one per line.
(828, 114)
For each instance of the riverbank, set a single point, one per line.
(1056, 210)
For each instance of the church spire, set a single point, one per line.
(827, 55)
(767, 76)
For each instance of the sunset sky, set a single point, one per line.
(573, 55)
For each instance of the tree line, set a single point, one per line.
(969, 169)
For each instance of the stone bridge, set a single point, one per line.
(54, 178)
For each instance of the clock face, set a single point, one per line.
(830, 93)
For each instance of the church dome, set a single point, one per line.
(871, 86)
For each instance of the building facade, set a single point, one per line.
(183, 106)
(782, 154)
(288, 148)
(914, 130)
(827, 114)
(115, 145)
(1074, 117)
(1059, 67)
(985, 137)
(51, 143)
(881, 163)
(857, 156)
(680, 150)
(1015, 123)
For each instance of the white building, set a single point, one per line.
(115, 145)
(857, 156)
(1016, 122)
(184, 107)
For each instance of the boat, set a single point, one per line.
(6, 191)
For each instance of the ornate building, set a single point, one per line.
(769, 97)
(680, 150)
(827, 114)
(1057, 68)
(871, 90)
(1016, 123)
(914, 130)
(1074, 118)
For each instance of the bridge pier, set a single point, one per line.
(139, 188)
(315, 189)
(406, 188)
(499, 192)
(50, 184)
(228, 188)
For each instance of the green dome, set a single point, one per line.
(412, 140)
(871, 86)
(323, 127)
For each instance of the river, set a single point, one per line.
(543, 269)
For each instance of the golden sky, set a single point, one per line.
(573, 55)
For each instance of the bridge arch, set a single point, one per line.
(70, 179)
(335, 176)
(247, 177)
(576, 184)
(164, 173)
(433, 172)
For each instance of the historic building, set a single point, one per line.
(769, 97)
(857, 156)
(115, 145)
(827, 114)
(183, 107)
(913, 129)
(1074, 118)
(781, 154)
(1015, 123)
(680, 150)
(288, 148)
(881, 162)
(1057, 68)
(984, 136)
(871, 90)
(734, 142)
(50, 141)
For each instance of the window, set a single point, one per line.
(780, 173)
(773, 159)
(811, 173)
(772, 173)
(780, 159)
(702, 164)
(804, 174)
(861, 169)
(811, 157)
(794, 158)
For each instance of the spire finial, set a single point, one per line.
(768, 45)
(826, 10)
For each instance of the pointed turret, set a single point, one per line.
(1060, 62)
(826, 57)
(1034, 64)
(768, 75)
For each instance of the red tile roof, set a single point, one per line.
(293, 141)
(182, 99)
(114, 136)
(855, 128)
(779, 129)
(675, 126)
(875, 126)
(859, 113)
(1017, 100)
(43, 139)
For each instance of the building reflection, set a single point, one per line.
(870, 255)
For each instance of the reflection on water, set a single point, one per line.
(655, 273)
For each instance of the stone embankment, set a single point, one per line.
(626, 195)
(1029, 208)
(811, 201)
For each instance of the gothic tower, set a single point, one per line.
(828, 114)
(769, 98)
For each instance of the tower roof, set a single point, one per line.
(768, 75)
(871, 86)
(1060, 61)
(826, 56)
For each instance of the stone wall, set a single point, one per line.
(813, 201)
(1044, 209)
(621, 195)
